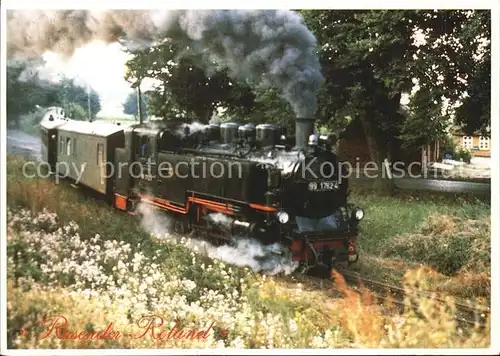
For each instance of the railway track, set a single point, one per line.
(471, 315)
(398, 296)
(465, 315)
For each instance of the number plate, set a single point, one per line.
(323, 186)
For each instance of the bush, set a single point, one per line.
(447, 244)
(448, 145)
(462, 154)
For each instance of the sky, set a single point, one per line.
(100, 65)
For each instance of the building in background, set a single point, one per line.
(478, 145)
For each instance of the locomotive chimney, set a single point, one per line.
(304, 127)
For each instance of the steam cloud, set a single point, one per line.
(268, 48)
(193, 128)
(221, 220)
(247, 252)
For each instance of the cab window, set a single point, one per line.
(142, 147)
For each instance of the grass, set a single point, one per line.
(448, 233)
(129, 273)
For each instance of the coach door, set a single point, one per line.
(100, 163)
(52, 149)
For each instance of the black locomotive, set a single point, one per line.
(266, 185)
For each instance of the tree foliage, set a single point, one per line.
(130, 106)
(185, 90)
(456, 63)
(371, 58)
(70, 93)
(424, 108)
(23, 95)
(475, 112)
(26, 91)
(76, 112)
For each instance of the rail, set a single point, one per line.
(465, 315)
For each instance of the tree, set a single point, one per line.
(424, 108)
(25, 91)
(130, 106)
(76, 112)
(186, 90)
(69, 93)
(458, 46)
(475, 111)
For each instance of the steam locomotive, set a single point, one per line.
(266, 184)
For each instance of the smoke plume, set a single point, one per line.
(247, 252)
(34, 70)
(267, 48)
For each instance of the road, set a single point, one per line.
(428, 184)
(21, 143)
(438, 185)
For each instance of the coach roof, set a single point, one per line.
(96, 128)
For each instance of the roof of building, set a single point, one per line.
(460, 132)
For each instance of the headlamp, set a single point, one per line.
(313, 140)
(282, 217)
(358, 214)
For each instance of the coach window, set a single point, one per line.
(61, 145)
(68, 147)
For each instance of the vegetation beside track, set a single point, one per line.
(70, 254)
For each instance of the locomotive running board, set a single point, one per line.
(165, 204)
(121, 202)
